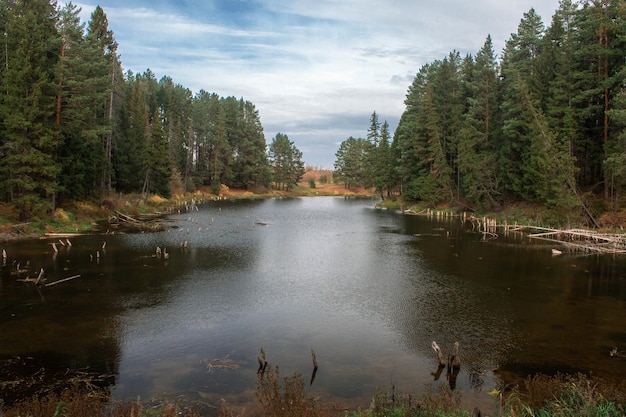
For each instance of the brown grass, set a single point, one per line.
(285, 398)
(77, 402)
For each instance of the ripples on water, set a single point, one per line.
(367, 289)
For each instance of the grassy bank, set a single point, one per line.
(540, 396)
(84, 216)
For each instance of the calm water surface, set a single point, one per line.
(367, 289)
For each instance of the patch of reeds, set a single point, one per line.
(538, 396)
(284, 397)
(77, 402)
(566, 396)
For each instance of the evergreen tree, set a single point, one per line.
(175, 103)
(435, 183)
(286, 162)
(250, 159)
(522, 170)
(220, 149)
(29, 140)
(600, 56)
(128, 157)
(104, 39)
(204, 114)
(477, 162)
(350, 162)
(157, 164)
(384, 178)
(83, 84)
(558, 65)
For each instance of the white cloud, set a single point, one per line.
(315, 69)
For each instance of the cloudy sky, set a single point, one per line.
(315, 69)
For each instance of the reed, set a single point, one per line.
(285, 397)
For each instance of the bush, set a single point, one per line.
(312, 182)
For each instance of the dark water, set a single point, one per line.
(367, 289)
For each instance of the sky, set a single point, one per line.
(316, 70)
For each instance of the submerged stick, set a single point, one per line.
(62, 280)
(39, 277)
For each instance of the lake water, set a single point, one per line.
(367, 289)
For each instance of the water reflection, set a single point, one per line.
(367, 289)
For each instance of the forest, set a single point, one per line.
(543, 124)
(74, 125)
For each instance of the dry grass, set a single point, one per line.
(565, 396)
(540, 396)
(286, 397)
(76, 402)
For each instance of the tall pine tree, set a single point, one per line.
(29, 142)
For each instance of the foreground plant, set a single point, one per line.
(286, 397)
(565, 396)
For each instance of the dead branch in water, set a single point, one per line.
(222, 363)
(438, 351)
(62, 280)
(584, 240)
(152, 223)
(314, 366)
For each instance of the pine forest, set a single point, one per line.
(74, 126)
(544, 124)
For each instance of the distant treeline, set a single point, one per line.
(544, 124)
(74, 125)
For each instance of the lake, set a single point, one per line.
(367, 289)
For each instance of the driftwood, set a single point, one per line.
(222, 363)
(437, 349)
(36, 281)
(62, 280)
(586, 241)
(453, 364)
(146, 223)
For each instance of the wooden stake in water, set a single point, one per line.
(314, 366)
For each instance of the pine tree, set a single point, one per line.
(600, 56)
(477, 163)
(157, 164)
(615, 161)
(286, 161)
(128, 158)
(83, 85)
(29, 141)
(250, 160)
(175, 103)
(100, 35)
(409, 142)
(522, 169)
(350, 161)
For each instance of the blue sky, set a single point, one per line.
(315, 70)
